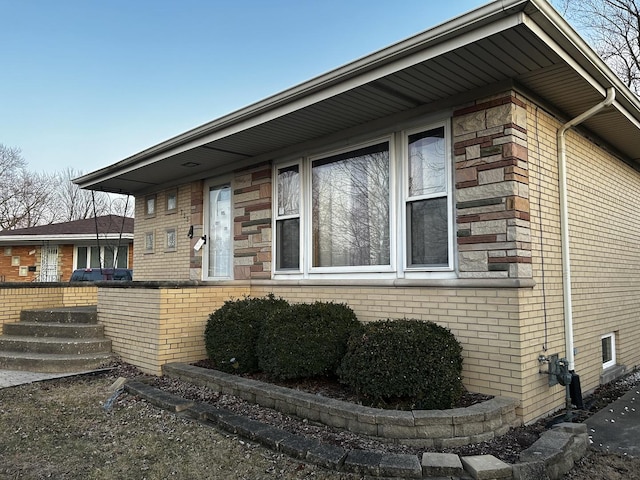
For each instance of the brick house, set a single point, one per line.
(482, 174)
(50, 253)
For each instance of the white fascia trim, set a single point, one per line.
(596, 66)
(446, 37)
(63, 238)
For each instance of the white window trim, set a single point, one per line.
(612, 362)
(308, 191)
(276, 217)
(409, 270)
(398, 193)
(102, 247)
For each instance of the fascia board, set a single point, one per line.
(7, 239)
(579, 54)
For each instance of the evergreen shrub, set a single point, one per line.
(391, 360)
(306, 340)
(232, 331)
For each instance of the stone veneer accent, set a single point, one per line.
(252, 223)
(492, 189)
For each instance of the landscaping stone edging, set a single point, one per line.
(422, 428)
(549, 458)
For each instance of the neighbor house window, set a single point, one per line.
(381, 208)
(608, 350)
(110, 256)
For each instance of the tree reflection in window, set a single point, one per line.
(427, 211)
(350, 208)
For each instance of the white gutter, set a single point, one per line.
(564, 222)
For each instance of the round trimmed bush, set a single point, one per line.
(306, 340)
(231, 333)
(390, 360)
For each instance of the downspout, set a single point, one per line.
(564, 222)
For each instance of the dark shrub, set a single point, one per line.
(232, 332)
(404, 359)
(306, 340)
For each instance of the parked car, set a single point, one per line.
(102, 274)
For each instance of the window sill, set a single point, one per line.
(403, 282)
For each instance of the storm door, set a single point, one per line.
(218, 255)
(49, 264)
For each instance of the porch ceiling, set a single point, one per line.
(519, 44)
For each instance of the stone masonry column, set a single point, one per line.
(252, 223)
(492, 188)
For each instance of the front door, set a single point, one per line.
(218, 256)
(49, 264)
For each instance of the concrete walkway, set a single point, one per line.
(616, 428)
(11, 378)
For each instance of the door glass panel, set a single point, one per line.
(219, 239)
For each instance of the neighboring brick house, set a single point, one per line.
(50, 253)
(482, 174)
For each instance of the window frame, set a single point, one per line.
(154, 200)
(612, 362)
(90, 248)
(407, 199)
(149, 234)
(277, 217)
(167, 234)
(168, 195)
(308, 194)
(398, 267)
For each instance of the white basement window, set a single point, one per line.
(608, 350)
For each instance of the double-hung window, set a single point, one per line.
(288, 218)
(379, 209)
(427, 206)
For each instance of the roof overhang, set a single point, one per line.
(522, 43)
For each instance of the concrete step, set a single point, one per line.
(84, 314)
(48, 363)
(54, 330)
(66, 346)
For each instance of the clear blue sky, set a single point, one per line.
(86, 83)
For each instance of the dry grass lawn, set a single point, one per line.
(59, 429)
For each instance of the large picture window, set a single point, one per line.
(379, 209)
(350, 208)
